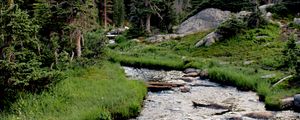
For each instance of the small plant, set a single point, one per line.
(290, 55)
(121, 39)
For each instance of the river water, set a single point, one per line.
(216, 102)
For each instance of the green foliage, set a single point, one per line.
(102, 93)
(291, 55)
(231, 5)
(232, 77)
(94, 44)
(256, 20)
(121, 39)
(279, 10)
(285, 8)
(119, 12)
(231, 27)
(20, 63)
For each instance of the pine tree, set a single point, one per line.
(118, 12)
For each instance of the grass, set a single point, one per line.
(94, 93)
(225, 60)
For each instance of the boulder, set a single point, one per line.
(191, 70)
(204, 74)
(297, 101)
(297, 21)
(209, 39)
(111, 42)
(287, 103)
(192, 74)
(260, 115)
(263, 8)
(269, 16)
(205, 20)
(185, 89)
(188, 79)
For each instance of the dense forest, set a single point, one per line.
(45, 43)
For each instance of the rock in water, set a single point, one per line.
(260, 115)
(205, 20)
(297, 101)
(191, 70)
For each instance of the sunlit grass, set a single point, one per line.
(99, 93)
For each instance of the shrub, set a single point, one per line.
(20, 62)
(231, 27)
(94, 44)
(256, 20)
(290, 55)
(121, 39)
(279, 9)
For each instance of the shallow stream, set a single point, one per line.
(205, 100)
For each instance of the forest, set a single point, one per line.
(62, 59)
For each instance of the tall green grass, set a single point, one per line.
(96, 93)
(232, 77)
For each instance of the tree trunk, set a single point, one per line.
(148, 24)
(78, 42)
(148, 17)
(105, 14)
(10, 3)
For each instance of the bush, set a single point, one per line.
(231, 27)
(20, 62)
(290, 55)
(94, 44)
(121, 39)
(256, 20)
(279, 10)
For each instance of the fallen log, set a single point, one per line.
(161, 86)
(211, 105)
(165, 84)
(283, 79)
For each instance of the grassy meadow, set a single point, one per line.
(101, 93)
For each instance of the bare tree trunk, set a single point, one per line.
(148, 24)
(148, 18)
(10, 3)
(78, 42)
(105, 14)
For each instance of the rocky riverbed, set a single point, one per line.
(200, 99)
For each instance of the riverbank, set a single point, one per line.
(97, 92)
(247, 61)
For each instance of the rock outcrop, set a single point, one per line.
(205, 20)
